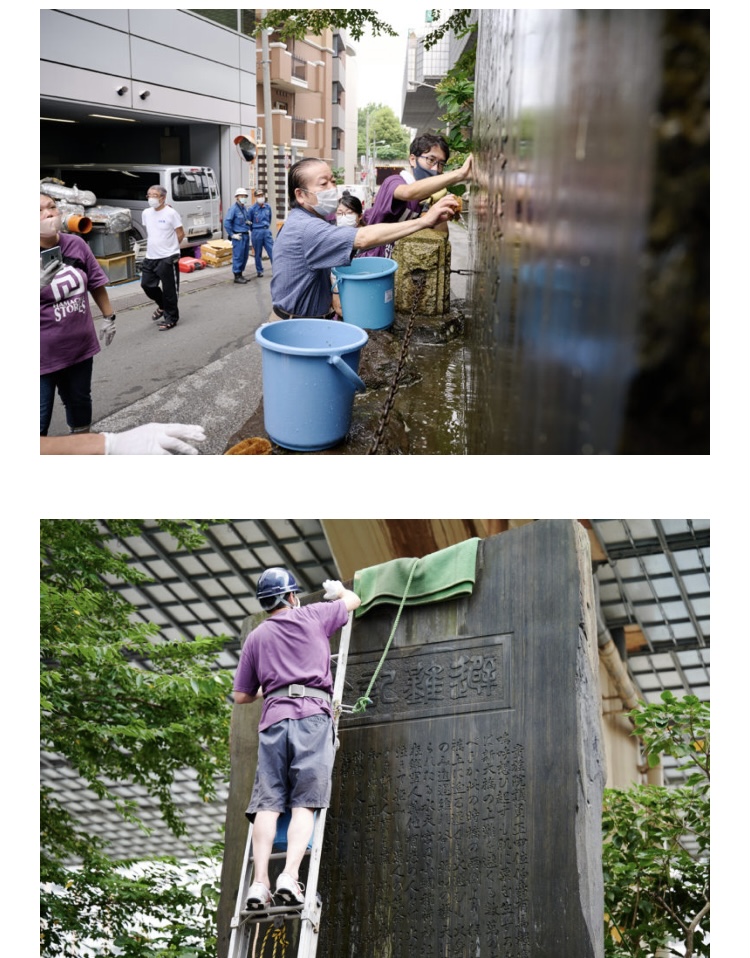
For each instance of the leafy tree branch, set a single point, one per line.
(656, 849)
(118, 704)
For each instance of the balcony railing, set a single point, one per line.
(299, 69)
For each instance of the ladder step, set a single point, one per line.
(258, 914)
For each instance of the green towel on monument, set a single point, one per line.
(446, 574)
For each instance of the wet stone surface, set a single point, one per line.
(428, 414)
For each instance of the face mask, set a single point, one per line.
(241, 200)
(328, 200)
(153, 202)
(347, 219)
(261, 202)
(420, 172)
(50, 226)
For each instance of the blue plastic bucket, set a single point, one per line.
(366, 291)
(309, 380)
(282, 829)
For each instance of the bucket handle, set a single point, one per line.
(348, 372)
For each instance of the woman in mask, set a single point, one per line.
(309, 246)
(401, 196)
(349, 211)
(68, 273)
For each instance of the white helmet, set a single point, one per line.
(241, 191)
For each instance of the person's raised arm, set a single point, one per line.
(420, 189)
(336, 590)
(381, 233)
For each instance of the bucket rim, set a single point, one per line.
(311, 351)
(341, 271)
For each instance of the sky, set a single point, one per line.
(381, 60)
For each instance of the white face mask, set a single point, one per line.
(346, 219)
(241, 199)
(328, 200)
(50, 226)
(153, 202)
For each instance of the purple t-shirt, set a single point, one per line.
(288, 648)
(387, 209)
(68, 334)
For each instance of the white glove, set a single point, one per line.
(154, 439)
(236, 236)
(107, 330)
(333, 589)
(46, 274)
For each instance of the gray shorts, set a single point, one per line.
(295, 762)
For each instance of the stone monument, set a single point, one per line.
(465, 814)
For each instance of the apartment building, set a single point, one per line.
(312, 96)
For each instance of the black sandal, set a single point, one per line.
(167, 324)
(158, 313)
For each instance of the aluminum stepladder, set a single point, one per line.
(245, 923)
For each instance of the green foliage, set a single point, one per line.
(458, 22)
(383, 126)
(294, 24)
(455, 94)
(656, 892)
(158, 908)
(117, 701)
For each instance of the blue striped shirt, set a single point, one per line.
(306, 250)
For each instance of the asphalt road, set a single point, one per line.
(207, 370)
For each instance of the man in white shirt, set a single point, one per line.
(164, 234)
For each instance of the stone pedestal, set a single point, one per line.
(465, 817)
(428, 250)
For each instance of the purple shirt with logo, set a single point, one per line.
(288, 648)
(68, 334)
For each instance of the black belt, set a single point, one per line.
(283, 314)
(297, 692)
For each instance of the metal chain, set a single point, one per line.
(419, 278)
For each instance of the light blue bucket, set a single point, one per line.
(309, 380)
(366, 290)
(282, 829)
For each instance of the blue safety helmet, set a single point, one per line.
(273, 585)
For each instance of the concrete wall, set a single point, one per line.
(589, 326)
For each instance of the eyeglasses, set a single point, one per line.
(433, 161)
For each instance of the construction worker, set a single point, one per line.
(287, 660)
(237, 228)
(260, 218)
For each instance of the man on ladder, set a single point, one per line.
(287, 660)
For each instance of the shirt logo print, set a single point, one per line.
(67, 282)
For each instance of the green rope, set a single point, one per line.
(365, 700)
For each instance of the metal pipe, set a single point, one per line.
(71, 194)
(611, 658)
(268, 128)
